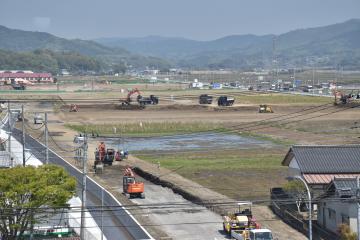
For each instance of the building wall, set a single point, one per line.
(332, 213)
(294, 169)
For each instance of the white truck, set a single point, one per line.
(38, 119)
(252, 234)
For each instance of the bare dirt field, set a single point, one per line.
(233, 174)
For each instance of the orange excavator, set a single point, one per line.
(73, 108)
(132, 92)
(131, 187)
(341, 97)
(140, 100)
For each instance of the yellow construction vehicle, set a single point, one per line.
(241, 220)
(263, 108)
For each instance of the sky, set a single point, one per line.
(194, 19)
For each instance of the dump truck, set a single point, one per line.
(205, 99)
(240, 220)
(131, 187)
(18, 86)
(38, 119)
(225, 101)
(152, 100)
(252, 234)
(263, 108)
(17, 113)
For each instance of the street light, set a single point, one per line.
(309, 196)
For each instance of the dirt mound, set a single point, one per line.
(181, 107)
(237, 108)
(66, 107)
(129, 107)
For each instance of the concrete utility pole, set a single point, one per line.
(310, 207)
(9, 135)
(23, 134)
(358, 206)
(46, 140)
(83, 202)
(309, 198)
(102, 213)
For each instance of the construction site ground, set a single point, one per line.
(225, 185)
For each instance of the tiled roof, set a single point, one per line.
(345, 186)
(326, 159)
(25, 75)
(326, 178)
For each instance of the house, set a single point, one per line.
(5, 159)
(9, 77)
(196, 84)
(216, 86)
(319, 165)
(339, 205)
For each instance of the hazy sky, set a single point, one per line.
(195, 19)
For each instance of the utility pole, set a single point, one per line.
(313, 79)
(294, 78)
(102, 213)
(83, 202)
(23, 134)
(358, 206)
(46, 140)
(273, 60)
(9, 135)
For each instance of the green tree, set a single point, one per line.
(119, 67)
(29, 195)
(346, 233)
(297, 189)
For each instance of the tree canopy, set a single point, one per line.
(28, 193)
(49, 61)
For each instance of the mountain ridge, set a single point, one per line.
(28, 41)
(295, 47)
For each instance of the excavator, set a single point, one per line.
(341, 97)
(73, 108)
(131, 187)
(140, 100)
(104, 155)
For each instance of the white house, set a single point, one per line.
(338, 205)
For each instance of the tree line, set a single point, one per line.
(50, 61)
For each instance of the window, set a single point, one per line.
(345, 219)
(332, 214)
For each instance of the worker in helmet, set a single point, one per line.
(102, 150)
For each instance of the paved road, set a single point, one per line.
(118, 224)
